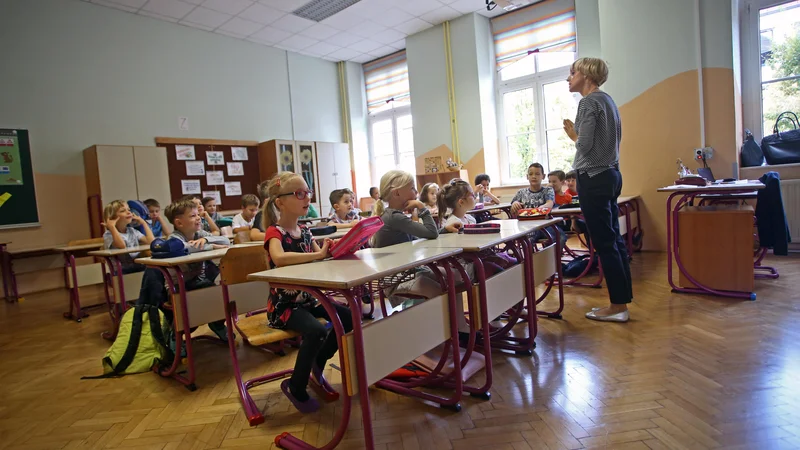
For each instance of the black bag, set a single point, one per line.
(783, 147)
(576, 267)
(752, 156)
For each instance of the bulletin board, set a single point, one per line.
(18, 207)
(203, 166)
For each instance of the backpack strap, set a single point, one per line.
(158, 335)
(130, 350)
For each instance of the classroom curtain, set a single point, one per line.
(547, 26)
(387, 81)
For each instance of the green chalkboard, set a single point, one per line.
(17, 191)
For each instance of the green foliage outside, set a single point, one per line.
(784, 95)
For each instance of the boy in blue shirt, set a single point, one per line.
(157, 222)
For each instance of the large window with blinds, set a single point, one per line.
(534, 47)
(391, 133)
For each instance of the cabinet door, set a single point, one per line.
(152, 176)
(307, 167)
(117, 173)
(285, 154)
(327, 179)
(341, 154)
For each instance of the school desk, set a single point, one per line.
(10, 276)
(124, 288)
(206, 306)
(628, 205)
(363, 354)
(703, 272)
(76, 277)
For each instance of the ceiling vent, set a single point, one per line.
(319, 10)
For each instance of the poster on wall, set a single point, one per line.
(215, 158)
(195, 168)
(10, 162)
(235, 169)
(190, 187)
(233, 188)
(215, 178)
(184, 152)
(239, 153)
(215, 195)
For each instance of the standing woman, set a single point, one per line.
(597, 133)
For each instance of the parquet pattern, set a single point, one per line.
(688, 372)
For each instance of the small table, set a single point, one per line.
(363, 353)
(489, 210)
(116, 284)
(9, 277)
(686, 195)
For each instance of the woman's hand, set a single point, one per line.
(569, 128)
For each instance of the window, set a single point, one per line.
(391, 132)
(770, 62)
(534, 48)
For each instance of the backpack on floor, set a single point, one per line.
(140, 343)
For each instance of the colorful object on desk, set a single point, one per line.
(224, 222)
(168, 248)
(532, 214)
(692, 180)
(481, 228)
(4, 198)
(356, 237)
(479, 206)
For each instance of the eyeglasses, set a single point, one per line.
(299, 194)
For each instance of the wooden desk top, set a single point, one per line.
(191, 258)
(77, 248)
(30, 251)
(355, 270)
(743, 185)
(120, 251)
(561, 212)
(510, 229)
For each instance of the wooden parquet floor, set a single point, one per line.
(688, 372)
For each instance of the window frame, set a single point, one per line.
(387, 114)
(752, 84)
(536, 81)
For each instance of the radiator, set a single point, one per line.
(790, 190)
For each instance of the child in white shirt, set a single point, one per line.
(243, 222)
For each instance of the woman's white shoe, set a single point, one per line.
(618, 317)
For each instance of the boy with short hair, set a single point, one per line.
(536, 195)
(157, 222)
(344, 215)
(206, 223)
(243, 222)
(482, 192)
(557, 178)
(572, 183)
(210, 205)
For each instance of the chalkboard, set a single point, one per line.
(17, 191)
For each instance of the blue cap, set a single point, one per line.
(168, 248)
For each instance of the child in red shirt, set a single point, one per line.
(572, 183)
(557, 178)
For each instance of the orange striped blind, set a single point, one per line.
(387, 81)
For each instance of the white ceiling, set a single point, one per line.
(365, 31)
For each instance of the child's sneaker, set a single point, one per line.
(220, 330)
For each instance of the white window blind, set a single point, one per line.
(387, 82)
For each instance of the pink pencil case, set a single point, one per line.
(481, 228)
(357, 237)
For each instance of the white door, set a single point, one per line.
(152, 176)
(117, 175)
(342, 172)
(326, 162)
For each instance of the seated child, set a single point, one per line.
(116, 218)
(187, 228)
(210, 205)
(482, 190)
(343, 215)
(572, 183)
(243, 222)
(287, 243)
(557, 178)
(375, 194)
(157, 222)
(535, 196)
(428, 197)
(206, 223)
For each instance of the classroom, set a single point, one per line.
(271, 224)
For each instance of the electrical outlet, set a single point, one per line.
(705, 152)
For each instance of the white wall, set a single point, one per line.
(78, 74)
(359, 143)
(587, 24)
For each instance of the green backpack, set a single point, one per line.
(138, 348)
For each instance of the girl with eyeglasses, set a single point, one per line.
(288, 243)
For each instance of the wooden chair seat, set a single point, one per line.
(256, 331)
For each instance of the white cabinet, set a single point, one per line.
(333, 161)
(292, 156)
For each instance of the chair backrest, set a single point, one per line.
(86, 242)
(239, 262)
(226, 231)
(366, 203)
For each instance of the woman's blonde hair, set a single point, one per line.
(270, 212)
(391, 180)
(111, 209)
(594, 69)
